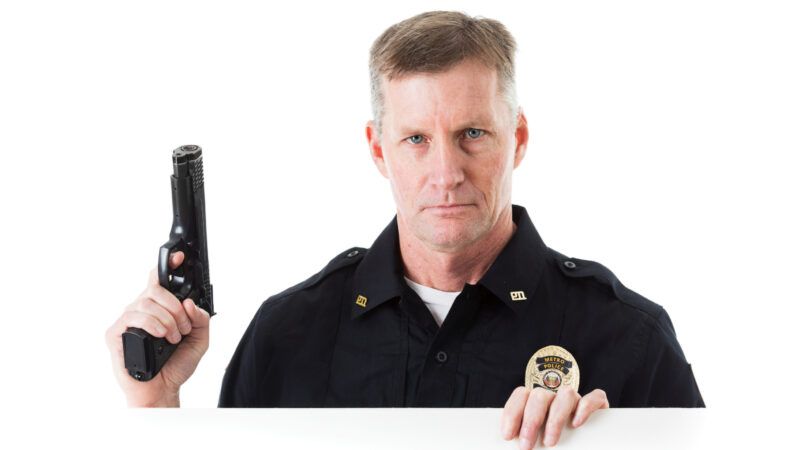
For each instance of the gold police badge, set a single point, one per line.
(552, 367)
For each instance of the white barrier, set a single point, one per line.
(352, 429)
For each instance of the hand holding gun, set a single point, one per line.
(177, 303)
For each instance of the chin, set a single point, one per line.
(449, 236)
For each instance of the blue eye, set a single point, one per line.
(416, 139)
(474, 133)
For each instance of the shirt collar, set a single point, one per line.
(512, 277)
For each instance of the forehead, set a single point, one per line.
(466, 92)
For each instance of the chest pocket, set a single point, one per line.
(369, 361)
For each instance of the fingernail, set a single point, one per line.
(524, 444)
(176, 337)
(549, 440)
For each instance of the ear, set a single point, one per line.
(521, 135)
(375, 149)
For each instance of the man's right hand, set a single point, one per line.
(161, 314)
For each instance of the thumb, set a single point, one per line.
(198, 316)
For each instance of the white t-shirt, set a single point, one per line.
(438, 302)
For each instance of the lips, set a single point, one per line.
(452, 208)
(451, 205)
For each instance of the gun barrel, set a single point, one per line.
(194, 161)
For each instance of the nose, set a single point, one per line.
(446, 164)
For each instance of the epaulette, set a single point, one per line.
(344, 259)
(582, 268)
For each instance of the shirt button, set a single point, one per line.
(353, 253)
(569, 264)
(441, 356)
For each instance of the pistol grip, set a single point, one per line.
(144, 353)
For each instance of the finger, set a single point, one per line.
(198, 316)
(536, 409)
(175, 260)
(141, 320)
(149, 306)
(560, 412)
(512, 412)
(590, 403)
(169, 302)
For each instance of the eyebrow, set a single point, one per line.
(480, 122)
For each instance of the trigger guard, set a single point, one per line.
(179, 280)
(181, 284)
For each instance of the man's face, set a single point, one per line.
(449, 144)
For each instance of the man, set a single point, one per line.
(458, 294)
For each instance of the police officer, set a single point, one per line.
(458, 302)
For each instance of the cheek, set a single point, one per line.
(491, 177)
(402, 177)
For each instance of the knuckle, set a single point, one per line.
(555, 421)
(149, 307)
(530, 425)
(152, 278)
(566, 391)
(515, 399)
(542, 395)
(181, 315)
(573, 394)
(143, 303)
(152, 291)
(169, 322)
(511, 416)
(520, 389)
(600, 398)
(127, 317)
(163, 297)
(526, 431)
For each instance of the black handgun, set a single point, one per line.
(145, 354)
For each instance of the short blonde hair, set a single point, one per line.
(434, 42)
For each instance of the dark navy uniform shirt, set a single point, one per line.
(356, 335)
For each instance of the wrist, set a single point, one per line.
(170, 399)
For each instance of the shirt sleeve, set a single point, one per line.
(664, 378)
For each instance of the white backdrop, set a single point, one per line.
(664, 145)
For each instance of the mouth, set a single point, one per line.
(449, 209)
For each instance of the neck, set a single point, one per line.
(449, 271)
